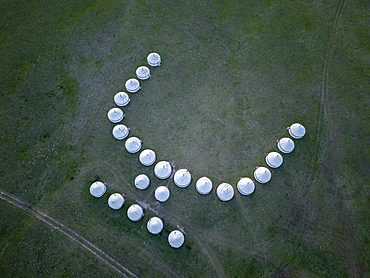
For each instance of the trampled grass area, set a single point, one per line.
(234, 75)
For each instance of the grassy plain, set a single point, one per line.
(234, 75)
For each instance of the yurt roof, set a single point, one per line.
(182, 178)
(97, 189)
(162, 193)
(154, 59)
(133, 144)
(132, 85)
(116, 201)
(286, 145)
(142, 181)
(225, 192)
(121, 99)
(155, 225)
(163, 169)
(176, 239)
(143, 72)
(245, 186)
(274, 159)
(120, 132)
(297, 131)
(262, 174)
(147, 157)
(203, 185)
(115, 115)
(135, 212)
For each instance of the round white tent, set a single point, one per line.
(162, 193)
(274, 159)
(176, 239)
(203, 185)
(155, 225)
(133, 144)
(262, 174)
(135, 212)
(115, 115)
(182, 178)
(132, 85)
(147, 157)
(245, 186)
(285, 145)
(154, 59)
(97, 189)
(143, 72)
(225, 192)
(120, 132)
(163, 170)
(116, 201)
(142, 181)
(297, 131)
(121, 99)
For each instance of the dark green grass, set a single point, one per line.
(234, 75)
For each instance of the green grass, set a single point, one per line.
(234, 75)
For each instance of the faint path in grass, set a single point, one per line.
(99, 254)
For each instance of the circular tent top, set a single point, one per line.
(274, 159)
(120, 132)
(162, 193)
(147, 157)
(182, 178)
(285, 145)
(163, 170)
(155, 225)
(297, 131)
(142, 181)
(121, 99)
(116, 201)
(262, 174)
(154, 59)
(115, 115)
(143, 72)
(225, 192)
(132, 85)
(135, 212)
(176, 239)
(133, 144)
(245, 186)
(97, 189)
(203, 185)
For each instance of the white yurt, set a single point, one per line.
(262, 174)
(116, 201)
(133, 144)
(182, 178)
(285, 145)
(225, 192)
(97, 189)
(132, 85)
(162, 193)
(142, 181)
(143, 72)
(154, 59)
(176, 239)
(297, 131)
(147, 157)
(163, 170)
(135, 212)
(274, 159)
(120, 132)
(245, 186)
(121, 99)
(115, 115)
(203, 185)
(155, 225)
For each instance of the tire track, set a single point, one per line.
(87, 245)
